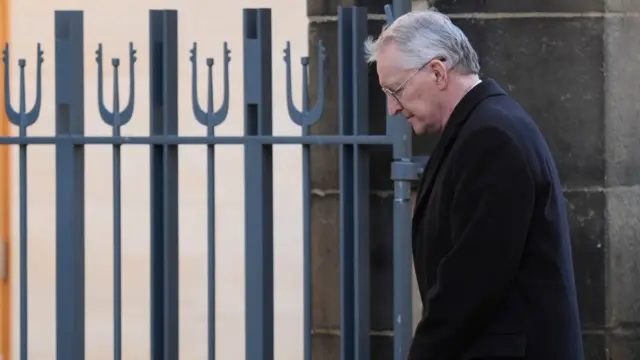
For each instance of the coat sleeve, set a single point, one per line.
(490, 215)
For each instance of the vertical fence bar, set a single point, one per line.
(211, 245)
(306, 251)
(211, 118)
(305, 119)
(23, 119)
(306, 222)
(211, 231)
(117, 257)
(24, 250)
(346, 105)
(117, 249)
(116, 119)
(70, 306)
(258, 185)
(163, 68)
(361, 212)
(403, 172)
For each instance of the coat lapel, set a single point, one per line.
(459, 116)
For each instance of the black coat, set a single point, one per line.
(491, 241)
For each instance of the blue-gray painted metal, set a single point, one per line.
(354, 186)
(361, 191)
(116, 119)
(345, 93)
(163, 102)
(401, 132)
(305, 118)
(210, 119)
(258, 167)
(353, 139)
(70, 264)
(203, 140)
(23, 119)
(419, 164)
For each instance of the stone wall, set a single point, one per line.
(325, 201)
(574, 66)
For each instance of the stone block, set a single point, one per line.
(325, 259)
(622, 6)
(325, 229)
(381, 347)
(325, 346)
(557, 77)
(325, 168)
(325, 163)
(622, 86)
(330, 7)
(587, 221)
(509, 6)
(595, 346)
(324, 158)
(381, 263)
(624, 346)
(623, 220)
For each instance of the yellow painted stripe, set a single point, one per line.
(5, 202)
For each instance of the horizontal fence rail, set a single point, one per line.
(354, 141)
(202, 140)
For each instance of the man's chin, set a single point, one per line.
(421, 129)
(425, 129)
(417, 127)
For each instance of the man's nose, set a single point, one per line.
(393, 106)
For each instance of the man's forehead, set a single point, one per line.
(388, 66)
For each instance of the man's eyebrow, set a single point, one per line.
(390, 86)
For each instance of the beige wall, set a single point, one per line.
(115, 23)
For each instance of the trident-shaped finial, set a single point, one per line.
(210, 118)
(305, 117)
(23, 119)
(388, 14)
(116, 118)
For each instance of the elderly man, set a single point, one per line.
(491, 242)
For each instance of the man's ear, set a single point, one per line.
(440, 73)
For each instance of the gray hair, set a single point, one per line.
(425, 35)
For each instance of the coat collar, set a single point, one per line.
(487, 88)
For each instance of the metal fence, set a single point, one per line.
(354, 141)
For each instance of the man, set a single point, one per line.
(491, 242)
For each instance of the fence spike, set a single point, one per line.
(305, 117)
(116, 118)
(388, 14)
(22, 118)
(210, 118)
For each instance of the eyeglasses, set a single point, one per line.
(398, 91)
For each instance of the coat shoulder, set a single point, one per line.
(505, 115)
(502, 113)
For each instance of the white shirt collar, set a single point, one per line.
(474, 85)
